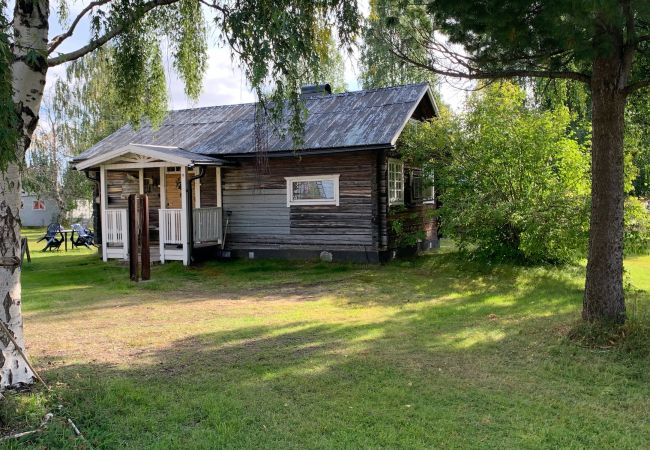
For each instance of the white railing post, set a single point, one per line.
(163, 206)
(102, 210)
(125, 233)
(185, 207)
(162, 218)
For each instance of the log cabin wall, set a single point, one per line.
(152, 189)
(209, 188)
(261, 219)
(415, 217)
(119, 185)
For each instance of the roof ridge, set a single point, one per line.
(311, 97)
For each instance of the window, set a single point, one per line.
(422, 189)
(395, 182)
(38, 205)
(313, 190)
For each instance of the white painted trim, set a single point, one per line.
(331, 177)
(131, 166)
(139, 149)
(102, 208)
(390, 161)
(163, 205)
(184, 207)
(219, 200)
(197, 189)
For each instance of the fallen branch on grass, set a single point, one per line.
(41, 427)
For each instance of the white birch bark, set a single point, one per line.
(29, 68)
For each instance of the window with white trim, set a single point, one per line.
(395, 182)
(38, 205)
(313, 190)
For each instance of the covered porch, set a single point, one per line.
(185, 200)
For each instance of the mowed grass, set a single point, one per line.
(425, 353)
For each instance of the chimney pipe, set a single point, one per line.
(316, 89)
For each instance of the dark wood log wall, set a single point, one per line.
(261, 218)
(120, 184)
(414, 216)
(209, 188)
(152, 189)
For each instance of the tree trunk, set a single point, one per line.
(29, 67)
(604, 297)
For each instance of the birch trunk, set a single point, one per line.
(29, 68)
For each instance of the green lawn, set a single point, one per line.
(425, 353)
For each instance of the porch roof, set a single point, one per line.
(151, 155)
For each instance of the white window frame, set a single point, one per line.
(306, 202)
(44, 208)
(395, 186)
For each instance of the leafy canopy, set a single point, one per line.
(380, 67)
(513, 182)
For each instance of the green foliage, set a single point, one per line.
(394, 23)
(637, 140)
(513, 181)
(139, 76)
(637, 227)
(8, 116)
(85, 102)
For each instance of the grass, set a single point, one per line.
(424, 353)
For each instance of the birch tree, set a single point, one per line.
(271, 39)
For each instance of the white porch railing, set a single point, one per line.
(170, 226)
(116, 226)
(207, 224)
(117, 233)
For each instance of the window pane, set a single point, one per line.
(313, 190)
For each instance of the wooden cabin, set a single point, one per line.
(212, 186)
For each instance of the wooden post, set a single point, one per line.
(133, 238)
(144, 226)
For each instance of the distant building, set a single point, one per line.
(37, 211)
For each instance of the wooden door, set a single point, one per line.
(173, 191)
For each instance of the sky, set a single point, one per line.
(224, 82)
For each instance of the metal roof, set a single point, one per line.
(367, 118)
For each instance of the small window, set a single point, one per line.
(313, 190)
(395, 182)
(38, 205)
(422, 189)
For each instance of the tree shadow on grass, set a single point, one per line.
(354, 385)
(443, 372)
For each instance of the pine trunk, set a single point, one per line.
(29, 68)
(604, 296)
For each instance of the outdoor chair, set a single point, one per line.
(81, 236)
(53, 242)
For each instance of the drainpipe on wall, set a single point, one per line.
(190, 202)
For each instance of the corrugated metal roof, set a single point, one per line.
(367, 118)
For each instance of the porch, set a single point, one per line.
(184, 192)
(167, 240)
